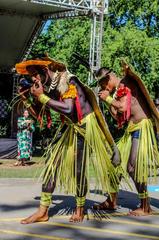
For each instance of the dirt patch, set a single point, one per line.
(10, 164)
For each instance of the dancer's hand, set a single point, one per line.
(28, 121)
(103, 94)
(37, 89)
(116, 159)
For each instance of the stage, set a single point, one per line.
(8, 148)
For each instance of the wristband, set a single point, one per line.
(43, 98)
(109, 100)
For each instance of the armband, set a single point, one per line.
(43, 98)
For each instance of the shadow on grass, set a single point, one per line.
(30, 163)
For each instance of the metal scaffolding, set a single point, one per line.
(70, 4)
(73, 8)
(33, 39)
(100, 8)
(95, 9)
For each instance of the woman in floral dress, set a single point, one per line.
(24, 138)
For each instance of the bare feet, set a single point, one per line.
(78, 215)
(19, 163)
(40, 216)
(143, 210)
(140, 212)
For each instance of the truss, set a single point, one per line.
(93, 8)
(94, 5)
(33, 39)
(73, 8)
(66, 14)
(71, 4)
(96, 37)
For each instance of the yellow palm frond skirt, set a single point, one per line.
(97, 153)
(147, 160)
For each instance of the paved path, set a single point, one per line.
(20, 197)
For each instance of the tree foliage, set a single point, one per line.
(131, 31)
(64, 37)
(136, 48)
(144, 14)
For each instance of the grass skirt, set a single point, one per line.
(97, 153)
(147, 156)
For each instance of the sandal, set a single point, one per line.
(103, 206)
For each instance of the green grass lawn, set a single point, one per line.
(32, 170)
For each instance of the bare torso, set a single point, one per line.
(62, 107)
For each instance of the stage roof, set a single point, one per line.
(19, 21)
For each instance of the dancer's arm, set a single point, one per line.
(118, 105)
(64, 107)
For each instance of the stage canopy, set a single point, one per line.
(20, 21)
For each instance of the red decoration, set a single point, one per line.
(78, 108)
(49, 120)
(125, 116)
(122, 91)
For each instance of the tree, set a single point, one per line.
(131, 31)
(136, 48)
(65, 36)
(144, 14)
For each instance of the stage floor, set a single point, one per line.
(8, 148)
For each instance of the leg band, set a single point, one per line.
(113, 190)
(143, 195)
(46, 199)
(80, 201)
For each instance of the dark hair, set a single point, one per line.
(24, 110)
(102, 73)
